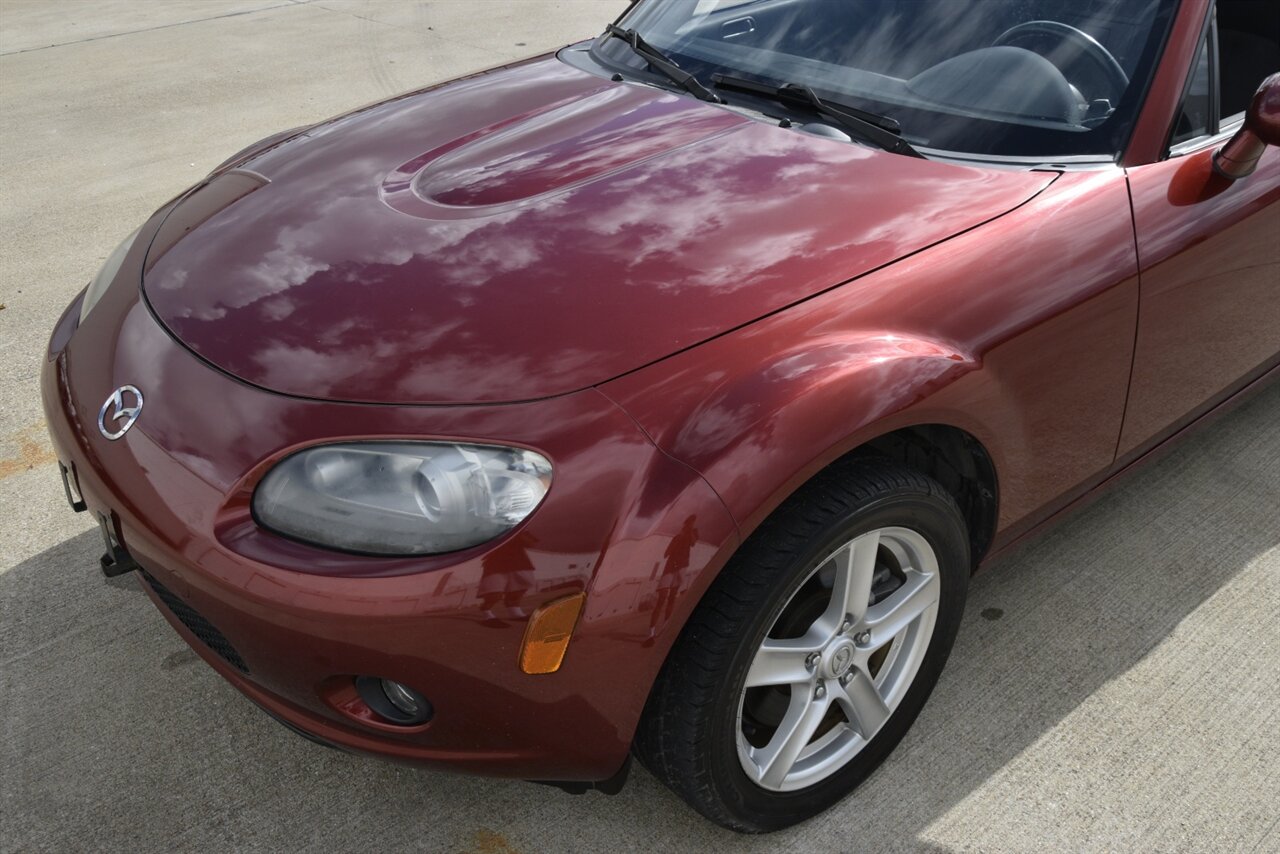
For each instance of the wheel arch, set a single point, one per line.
(759, 434)
(959, 462)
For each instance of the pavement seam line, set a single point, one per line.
(284, 5)
(1266, 836)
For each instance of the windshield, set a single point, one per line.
(997, 78)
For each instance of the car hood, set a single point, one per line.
(529, 232)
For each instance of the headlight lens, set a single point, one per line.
(105, 276)
(401, 498)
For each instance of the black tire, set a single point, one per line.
(688, 734)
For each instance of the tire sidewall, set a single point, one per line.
(941, 525)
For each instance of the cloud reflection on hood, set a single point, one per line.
(628, 224)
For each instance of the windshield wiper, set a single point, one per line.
(662, 63)
(881, 130)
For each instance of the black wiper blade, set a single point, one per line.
(662, 63)
(881, 130)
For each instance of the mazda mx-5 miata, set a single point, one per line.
(660, 396)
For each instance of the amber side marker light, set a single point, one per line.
(547, 636)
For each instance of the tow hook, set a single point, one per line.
(73, 496)
(117, 560)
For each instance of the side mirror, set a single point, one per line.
(1239, 157)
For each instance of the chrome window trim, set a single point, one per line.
(1228, 128)
(1072, 163)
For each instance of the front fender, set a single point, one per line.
(758, 434)
(1019, 332)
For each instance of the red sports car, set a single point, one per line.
(660, 396)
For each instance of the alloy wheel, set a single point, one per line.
(838, 660)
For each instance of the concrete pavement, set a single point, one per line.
(1116, 685)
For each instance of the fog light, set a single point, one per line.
(396, 702)
(403, 698)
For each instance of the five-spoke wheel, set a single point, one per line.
(814, 650)
(816, 694)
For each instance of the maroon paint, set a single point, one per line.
(564, 230)
(566, 241)
(1210, 287)
(1011, 333)
(178, 484)
(1263, 119)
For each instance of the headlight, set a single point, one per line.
(105, 276)
(401, 498)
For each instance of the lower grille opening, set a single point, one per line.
(198, 625)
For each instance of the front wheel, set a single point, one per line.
(813, 652)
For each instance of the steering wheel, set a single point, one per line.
(1116, 80)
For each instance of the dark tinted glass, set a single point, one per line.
(1248, 49)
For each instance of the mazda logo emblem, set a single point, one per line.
(119, 412)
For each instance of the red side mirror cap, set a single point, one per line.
(1239, 157)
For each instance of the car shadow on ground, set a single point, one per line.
(116, 735)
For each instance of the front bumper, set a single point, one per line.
(641, 534)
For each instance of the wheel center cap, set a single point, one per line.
(837, 659)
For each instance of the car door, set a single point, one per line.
(1208, 248)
